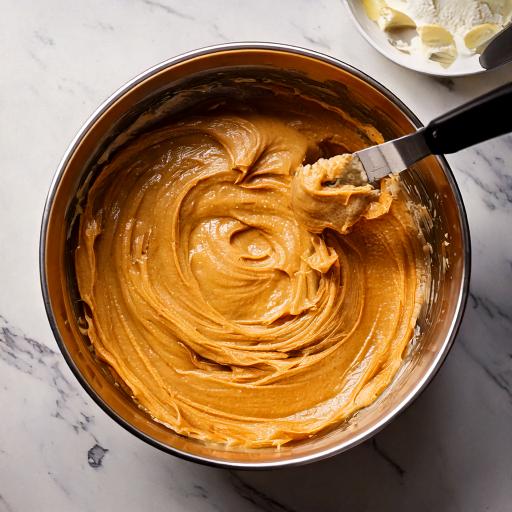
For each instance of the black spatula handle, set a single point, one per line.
(481, 119)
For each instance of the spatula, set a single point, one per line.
(481, 119)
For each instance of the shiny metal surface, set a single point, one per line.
(498, 50)
(393, 156)
(429, 182)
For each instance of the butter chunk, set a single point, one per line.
(480, 34)
(373, 8)
(439, 43)
(392, 19)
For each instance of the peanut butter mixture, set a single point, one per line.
(242, 297)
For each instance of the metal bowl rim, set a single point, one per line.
(368, 433)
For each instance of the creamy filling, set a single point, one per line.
(241, 296)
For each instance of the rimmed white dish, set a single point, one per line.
(464, 64)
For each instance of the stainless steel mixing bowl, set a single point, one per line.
(233, 68)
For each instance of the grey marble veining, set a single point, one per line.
(450, 451)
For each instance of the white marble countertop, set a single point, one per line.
(452, 450)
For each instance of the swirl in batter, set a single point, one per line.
(231, 316)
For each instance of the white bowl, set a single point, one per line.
(463, 65)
